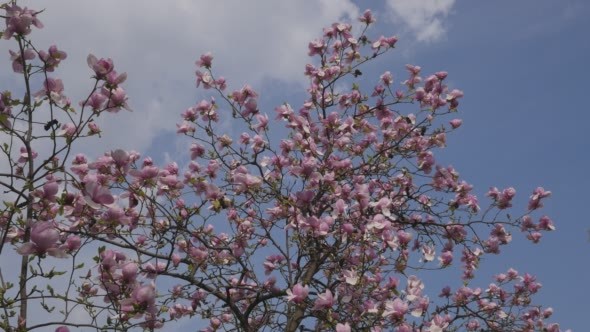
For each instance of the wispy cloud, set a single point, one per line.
(157, 47)
(424, 18)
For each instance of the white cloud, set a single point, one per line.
(424, 18)
(157, 44)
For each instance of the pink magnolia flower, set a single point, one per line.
(453, 98)
(96, 101)
(185, 128)
(244, 181)
(250, 107)
(316, 46)
(204, 106)
(297, 294)
(18, 58)
(387, 78)
(114, 215)
(143, 298)
(404, 237)
(503, 199)
(547, 313)
(113, 78)
(384, 42)
(49, 190)
(395, 309)
(382, 206)
(19, 21)
(101, 67)
(44, 240)
(350, 277)
(535, 200)
(445, 292)
(152, 270)
(121, 158)
(367, 17)
(439, 323)
(456, 123)
(546, 224)
(215, 323)
(258, 143)
(205, 79)
(378, 223)
(110, 259)
(342, 327)
(117, 99)
(93, 128)
(52, 57)
(446, 258)
(340, 207)
(512, 274)
(73, 243)
(324, 301)
(24, 155)
(196, 151)
(404, 328)
(441, 75)
(414, 70)
(54, 88)
(198, 254)
(95, 195)
(535, 237)
(68, 130)
(428, 253)
(262, 122)
(224, 141)
(205, 60)
(176, 259)
(473, 325)
(414, 288)
(420, 306)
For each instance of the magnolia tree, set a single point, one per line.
(328, 223)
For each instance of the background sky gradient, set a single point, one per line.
(523, 65)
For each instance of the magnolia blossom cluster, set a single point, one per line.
(330, 226)
(110, 97)
(348, 193)
(45, 239)
(119, 276)
(19, 21)
(45, 218)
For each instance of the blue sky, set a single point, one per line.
(523, 66)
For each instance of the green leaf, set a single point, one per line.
(51, 290)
